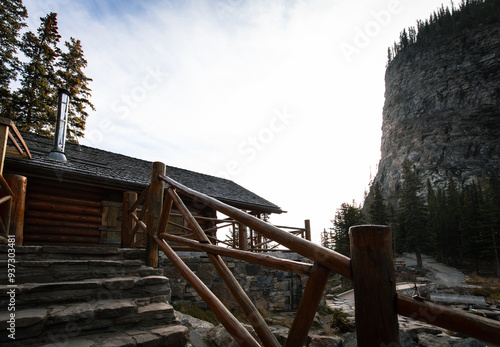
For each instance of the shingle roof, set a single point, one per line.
(114, 170)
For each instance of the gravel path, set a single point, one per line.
(440, 274)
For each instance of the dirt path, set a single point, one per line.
(438, 273)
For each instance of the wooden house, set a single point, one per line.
(79, 201)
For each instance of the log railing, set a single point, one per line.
(239, 237)
(12, 187)
(371, 268)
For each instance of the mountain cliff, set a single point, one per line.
(442, 109)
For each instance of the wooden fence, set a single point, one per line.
(371, 269)
(12, 187)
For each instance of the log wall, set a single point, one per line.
(59, 212)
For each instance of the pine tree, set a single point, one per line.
(345, 217)
(327, 239)
(377, 211)
(452, 212)
(434, 219)
(12, 16)
(412, 214)
(37, 97)
(72, 78)
(490, 211)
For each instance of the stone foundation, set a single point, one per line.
(269, 289)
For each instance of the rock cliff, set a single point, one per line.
(442, 110)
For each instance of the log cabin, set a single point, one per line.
(79, 200)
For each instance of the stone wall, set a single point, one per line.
(269, 289)
(442, 110)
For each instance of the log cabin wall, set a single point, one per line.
(62, 212)
(66, 212)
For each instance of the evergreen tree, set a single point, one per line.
(412, 214)
(73, 79)
(37, 97)
(327, 239)
(377, 211)
(345, 217)
(472, 241)
(490, 213)
(434, 219)
(451, 222)
(12, 17)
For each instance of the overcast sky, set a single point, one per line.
(283, 97)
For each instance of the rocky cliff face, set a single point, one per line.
(442, 110)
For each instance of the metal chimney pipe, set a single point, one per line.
(63, 100)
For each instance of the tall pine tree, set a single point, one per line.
(378, 209)
(345, 217)
(37, 97)
(72, 78)
(12, 20)
(412, 215)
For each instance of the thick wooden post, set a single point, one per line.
(307, 226)
(129, 199)
(18, 186)
(153, 212)
(374, 286)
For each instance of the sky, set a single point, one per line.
(282, 97)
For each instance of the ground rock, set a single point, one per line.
(429, 340)
(405, 339)
(469, 342)
(324, 341)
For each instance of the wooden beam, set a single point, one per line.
(153, 209)
(262, 259)
(242, 237)
(481, 328)
(18, 185)
(326, 257)
(26, 149)
(308, 306)
(239, 333)
(374, 285)
(4, 135)
(255, 318)
(307, 225)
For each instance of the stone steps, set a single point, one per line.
(29, 294)
(87, 317)
(74, 252)
(43, 271)
(108, 297)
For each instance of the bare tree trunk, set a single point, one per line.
(419, 257)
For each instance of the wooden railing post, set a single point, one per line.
(307, 226)
(129, 199)
(153, 212)
(374, 286)
(17, 184)
(308, 306)
(242, 237)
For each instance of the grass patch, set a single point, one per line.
(340, 321)
(489, 286)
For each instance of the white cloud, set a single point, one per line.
(190, 83)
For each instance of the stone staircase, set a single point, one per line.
(86, 296)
